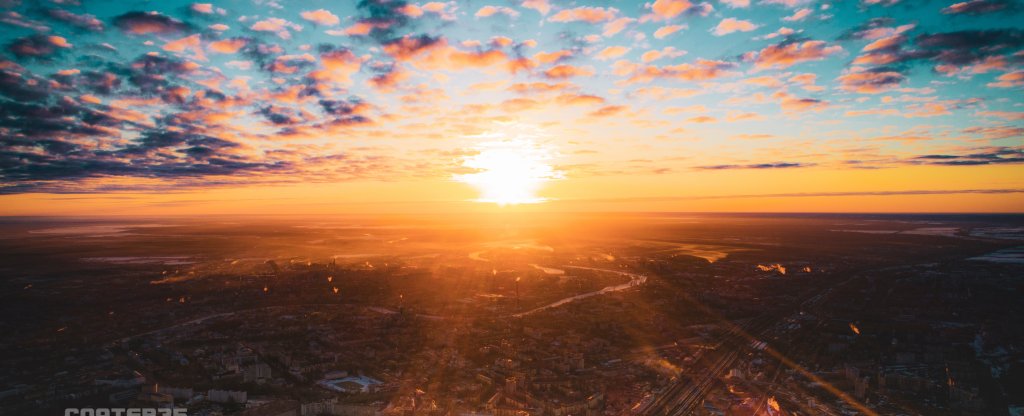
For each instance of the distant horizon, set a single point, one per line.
(538, 213)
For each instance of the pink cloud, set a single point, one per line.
(567, 71)
(189, 43)
(667, 9)
(701, 70)
(664, 31)
(488, 11)
(205, 8)
(616, 26)
(277, 25)
(228, 45)
(867, 82)
(541, 6)
(785, 55)
(337, 66)
(798, 15)
(585, 14)
(667, 52)
(1009, 80)
(730, 25)
(321, 17)
(737, 4)
(611, 52)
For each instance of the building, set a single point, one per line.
(227, 396)
(256, 373)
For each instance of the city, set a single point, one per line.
(595, 315)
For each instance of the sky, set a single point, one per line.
(321, 107)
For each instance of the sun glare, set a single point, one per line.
(509, 171)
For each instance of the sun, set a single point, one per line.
(509, 171)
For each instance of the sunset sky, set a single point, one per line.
(321, 107)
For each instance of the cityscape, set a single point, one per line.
(494, 315)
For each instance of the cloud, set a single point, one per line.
(579, 99)
(37, 46)
(664, 31)
(539, 87)
(611, 52)
(149, 23)
(616, 26)
(81, 21)
(1009, 80)
(968, 46)
(793, 104)
(290, 64)
(337, 66)
(541, 6)
(979, 7)
(885, 62)
(787, 54)
(822, 194)
(608, 111)
(488, 11)
(585, 14)
(446, 11)
(188, 43)
(734, 116)
(280, 27)
(1005, 115)
(798, 15)
(153, 107)
(50, 150)
(776, 165)
(885, 3)
(700, 70)
(997, 133)
(202, 8)
(666, 52)
(730, 25)
(14, 18)
(321, 17)
(551, 57)
(434, 53)
(737, 4)
(764, 81)
(564, 71)
(388, 77)
(871, 81)
(668, 9)
(231, 45)
(1001, 155)
(382, 19)
(409, 46)
(782, 32)
(787, 3)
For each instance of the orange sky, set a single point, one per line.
(726, 191)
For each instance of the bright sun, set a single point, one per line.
(509, 171)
